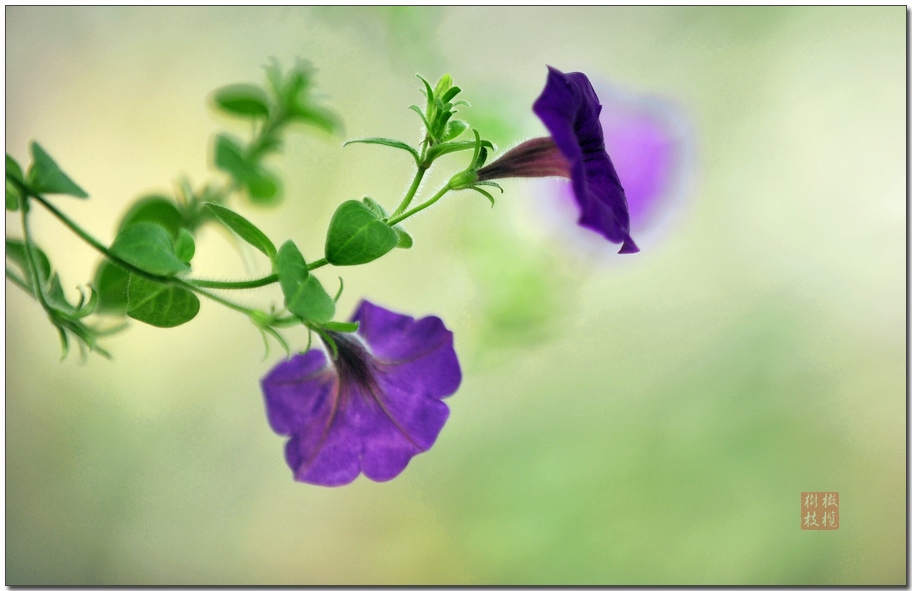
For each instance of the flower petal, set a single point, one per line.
(569, 108)
(329, 454)
(397, 425)
(298, 392)
(302, 399)
(422, 348)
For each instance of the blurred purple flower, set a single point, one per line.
(652, 146)
(374, 407)
(569, 108)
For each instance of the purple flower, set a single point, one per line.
(372, 408)
(652, 144)
(569, 108)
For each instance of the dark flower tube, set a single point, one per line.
(569, 108)
(534, 158)
(374, 407)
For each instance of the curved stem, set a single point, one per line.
(22, 283)
(256, 148)
(32, 264)
(398, 218)
(213, 297)
(91, 241)
(251, 284)
(283, 321)
(410, 194)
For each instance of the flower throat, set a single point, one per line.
(354, 363)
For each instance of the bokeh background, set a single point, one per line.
(646, 419)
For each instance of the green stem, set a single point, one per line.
(22, 283)
(214, 298)
(398, 218)
(251, 284)
(271, 125)
(317, 264)
(30, 258)
(284, 321)
(91, 241)
(410, 194)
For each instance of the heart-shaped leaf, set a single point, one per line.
(357, 236)
(156, 209)
(44, 176)
(304, 296)
(148, 247)
(158, 304)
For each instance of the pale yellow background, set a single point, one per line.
(657, 421)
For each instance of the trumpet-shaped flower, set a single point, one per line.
(569, 108)
(372, 408)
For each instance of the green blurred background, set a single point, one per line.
(649, 419)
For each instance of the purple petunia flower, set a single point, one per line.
(372, 408)
(569, 108)
(653, 149)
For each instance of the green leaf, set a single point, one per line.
(440, 124)
(375, 207)
(156, 209)
(482, 156)
(244, 100)
(312, 302)
(229, 156)
(357, 236)
(262, 186)
(341, 326)
(485, 193)
(429, 94)
(15, 251)
(453, 130)
(184, 246)
(441, 149)
(274, 75)
(160, 305)
(490, 184)
(417, 109)
(50, 281)
(328, 340)
(476, 150)
(405, 240)
(14, 182)
(148, 247)
(387, 142)
(243, 228)
(13, 170)
(111, 286)
(44, 176)
(292, 91)
(64, 342)
(304, 296)
(449, 94)
(12, 196)
(444, 86)
(316, 116)
(53, 295)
